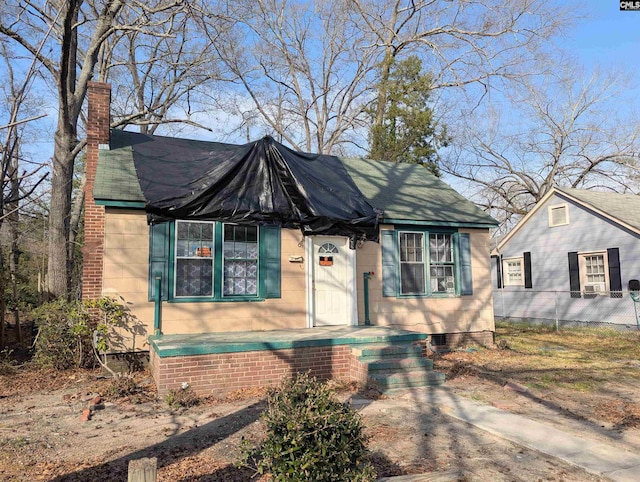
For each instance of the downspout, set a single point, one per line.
(367, 276)
(157, 313)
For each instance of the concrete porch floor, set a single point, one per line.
(240, 341)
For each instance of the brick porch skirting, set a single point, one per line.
(218, 373)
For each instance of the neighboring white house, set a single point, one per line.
(571, 259)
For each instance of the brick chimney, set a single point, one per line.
(98, 121)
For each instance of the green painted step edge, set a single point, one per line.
(400, 364)
(388, 351)
(164, 348)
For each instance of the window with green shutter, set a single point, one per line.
(213, 261)
(418, 263)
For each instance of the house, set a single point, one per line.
(222, 252)
(570, 259)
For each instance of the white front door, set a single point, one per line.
(332, 271)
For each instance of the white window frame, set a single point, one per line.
(424, 263)
(225, 259)
(582, 263)
(550, 210)
(212, 257)
(506, 276)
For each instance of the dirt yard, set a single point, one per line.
(585, 384)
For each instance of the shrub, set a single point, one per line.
(312, 436)
(68, 331)
(7, 363)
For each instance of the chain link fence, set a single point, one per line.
(616, 310)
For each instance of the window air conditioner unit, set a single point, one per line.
(593, 289)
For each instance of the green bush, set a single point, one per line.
(312, 436)
(69, 330)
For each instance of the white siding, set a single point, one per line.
(586, 231)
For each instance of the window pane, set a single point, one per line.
(194, 258)
(442, 279)
(194, 277)
(412, 269)
(412, 278)
(440, 248)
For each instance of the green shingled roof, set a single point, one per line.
(410, 192)
(625, 207)
(116, 178)
(404, 192)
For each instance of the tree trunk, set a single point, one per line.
(14, 229)
(59, 210)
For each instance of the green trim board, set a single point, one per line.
(120, 204)
(444, 224)
(233, 342)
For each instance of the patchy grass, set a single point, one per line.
(583, 360)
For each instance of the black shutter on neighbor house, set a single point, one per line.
(615, 280)
(527, 270)
(498, 271)
(574, 275)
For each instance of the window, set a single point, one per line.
(194, 260)
(412, 267)
(558, 215)
(422, 263)
(212, 261)
(240, 260)
(513, 272)
(441, 265)
(593, 269)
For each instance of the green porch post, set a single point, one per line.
(157, 314)
(367, 276)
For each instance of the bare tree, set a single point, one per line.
(16, 186)
(85, 36)
(303, 71)
(462, 43)
(561, 129)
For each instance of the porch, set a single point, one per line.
(214, 363)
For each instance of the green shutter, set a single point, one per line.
(270, 240)
(159, 237)
(466, 280)
(389, 263)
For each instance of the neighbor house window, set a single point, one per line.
(412, 263)
(194, 259)
(441, 264)
(513, 272)
(593, 270)
(558, 215)
(240, 260)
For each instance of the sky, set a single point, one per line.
(607, 36)
(603, 36)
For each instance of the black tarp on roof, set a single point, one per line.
(262, 182)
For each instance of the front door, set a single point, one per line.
(332, 281)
